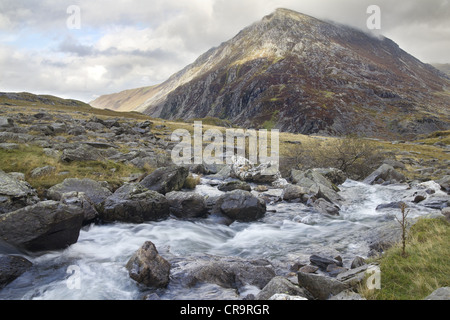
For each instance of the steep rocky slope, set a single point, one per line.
(299, 74)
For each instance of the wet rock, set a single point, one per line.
(133, 203)
(309, 269)
(48, 225)
(94, 190)
(320, 287)
(440, 294)
(15, 194)
(323, 262)
(227, 272)
(12, 267)
(242, 206)
(146, 266)
(385, 173)
(326, 207)
(186, 204)
(234, 185)
(165, 180)
(281, 285)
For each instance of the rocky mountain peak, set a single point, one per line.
(299, 74)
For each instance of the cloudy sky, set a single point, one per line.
(127, 44)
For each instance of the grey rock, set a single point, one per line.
(293, 192)
(316, 185)
(133, 203)
(334, 270)
(186, 204)
(43, 171)
(48, 225)
(385, 173)
(9, 146)
(281, 285)
(94, 190)
(353, 278)
(446, 213)
(264, 173)
(347, 295)
(234, 185)
(325, 207)
(283, 297)
(321, 287)
(82, 153)
(358, 262)
(164, 180)
(15, 194)
(440, 294)
(12, 267)
(242, 206)
(444, 182)
(309, 269)
(335, 176)
(146, 266)
(323, 262)
(6, 122)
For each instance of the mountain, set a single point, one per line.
(299, 74)
(444, 67)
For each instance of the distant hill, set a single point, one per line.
(299, 74)
(443, 67)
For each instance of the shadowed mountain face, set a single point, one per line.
(299, 74)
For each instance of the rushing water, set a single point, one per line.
(289, 232)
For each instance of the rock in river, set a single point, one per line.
(241, 206)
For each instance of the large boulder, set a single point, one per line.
(385, 173)
(239, 205)
(12, 267)
(15, 194)
(227, 272)
(96, 191)
(281, 285)
(48, 225)
(167, 179)
(133, 203)
(242, 169)
(146, 266)
(186, 204)
(321, 287)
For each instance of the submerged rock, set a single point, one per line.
(12, 267)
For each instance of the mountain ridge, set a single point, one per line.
(299, 74)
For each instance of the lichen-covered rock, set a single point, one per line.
(15, 194)
(94, 190)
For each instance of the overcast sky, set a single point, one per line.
(134, 43)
